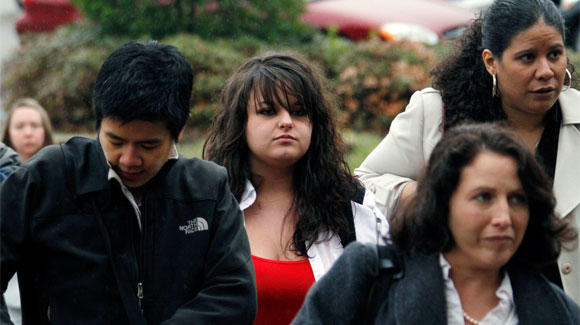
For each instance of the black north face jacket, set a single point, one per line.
(81, 258)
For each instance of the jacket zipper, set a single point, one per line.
(140, 294)
(141, 258)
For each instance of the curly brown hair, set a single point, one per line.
(426, 218)
(462, 79)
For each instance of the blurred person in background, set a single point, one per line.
(476, 233)
(276, 135)
(510, 65)
(28, 128)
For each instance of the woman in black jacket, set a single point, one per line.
(480, 226)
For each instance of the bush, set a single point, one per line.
(59, 70)
(210, 19)
(372, 80)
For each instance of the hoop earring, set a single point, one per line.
(494, 92)
(566, 87)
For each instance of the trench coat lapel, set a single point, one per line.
(567, 175)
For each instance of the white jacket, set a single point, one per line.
(370, 227)
(404, 152)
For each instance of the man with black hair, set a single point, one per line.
(121, 229)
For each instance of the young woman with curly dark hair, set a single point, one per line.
(469, 252)
(276, 136)
(510, 66)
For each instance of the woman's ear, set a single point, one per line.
(490, 61)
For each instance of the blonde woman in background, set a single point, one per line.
(27, 131)
(28, 128)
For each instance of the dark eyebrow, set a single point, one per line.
(264, 102)
(150, 141)
(526, 51)
(113, 136)
(557, 46)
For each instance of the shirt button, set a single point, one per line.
(566, 268)
(373, 189)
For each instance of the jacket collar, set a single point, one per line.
(420, 294)
(419, 297)
(90, 168)
(566, 176)
(531, 288)
(86, 162)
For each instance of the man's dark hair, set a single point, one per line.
(426, 218)
(145, 81)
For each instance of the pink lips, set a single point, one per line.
(546, 93)
(285, 137)
(499, 239)
(544, 90)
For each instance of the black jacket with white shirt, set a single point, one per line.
(82, 257)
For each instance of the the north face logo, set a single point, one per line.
(197, 224)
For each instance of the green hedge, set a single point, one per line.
(372, 80)
(264, 19)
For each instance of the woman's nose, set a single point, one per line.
(285, 121)
(544, 69)
(502, 214)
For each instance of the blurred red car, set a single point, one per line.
(427, 21)
(45, 15)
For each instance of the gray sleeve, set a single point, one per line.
(340, 296)
(8, 158)
(572, 307)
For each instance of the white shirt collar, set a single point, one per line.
(503, 313)
(248, 196)
(112, 174)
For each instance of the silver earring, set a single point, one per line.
(566, 87)
(494, 92)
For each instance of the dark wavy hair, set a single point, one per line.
(462, 79)
(426, 218)
(322, 181)
(145, 81)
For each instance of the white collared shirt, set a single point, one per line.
(504, 313)
(370, 225)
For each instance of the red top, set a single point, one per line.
(282, 287)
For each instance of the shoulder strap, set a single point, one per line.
(390, 268)
(358, 197)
